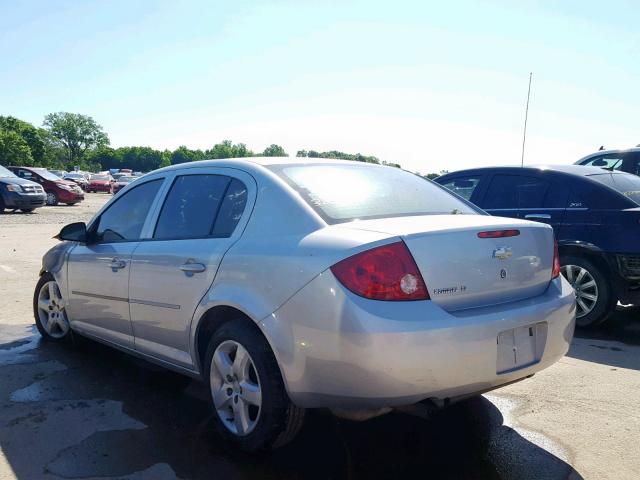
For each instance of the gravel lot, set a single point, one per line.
(92, 412)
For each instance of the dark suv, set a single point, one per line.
(19, 194)
(595, 215)
(623, 160)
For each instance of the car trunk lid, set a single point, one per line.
(462, 270)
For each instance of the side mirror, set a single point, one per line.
(74, 232)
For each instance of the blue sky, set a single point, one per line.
(431, 85)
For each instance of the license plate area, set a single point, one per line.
(520, 347)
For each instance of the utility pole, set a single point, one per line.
(526, 115)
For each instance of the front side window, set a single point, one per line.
(191, 207)
(515, 191)
(124, 219)
(343, 193)
(463, 186)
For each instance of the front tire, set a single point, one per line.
(49, 310)
(594, 299)
(251, 407)
(52, 198)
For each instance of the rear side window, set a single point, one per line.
(463, 186)
(231, 209)
(343, 193)
(191, 207)
(124, 219)
(515, 191)
(200, 206)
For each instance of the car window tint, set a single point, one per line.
(635, 163)
(124, 219)
(231, 210)
(610, 161)
(463, 186)
(515, 191)
(556, 195)
(191, 207)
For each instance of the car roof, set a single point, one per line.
(252, 162)
(605, 152)
(578, 170)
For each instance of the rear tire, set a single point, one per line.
(2, 206)
(27, 210)
(236, 386)
(594, 296)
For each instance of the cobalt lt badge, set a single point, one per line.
(503, 273)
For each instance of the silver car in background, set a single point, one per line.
(288, 284)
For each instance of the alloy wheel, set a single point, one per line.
(51, 312)
(235, 388)
(51, 198)
(585, 288)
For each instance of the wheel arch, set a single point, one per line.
(212, 319)
(587, 250)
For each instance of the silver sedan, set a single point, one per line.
(288, 285)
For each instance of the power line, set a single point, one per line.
(526, 115)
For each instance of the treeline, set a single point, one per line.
(67, 140)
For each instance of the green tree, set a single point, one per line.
(30, 134)
(274, 150)
(182, 154)
(226, 149)
(302, 153)
(78, 134)
(14, 150)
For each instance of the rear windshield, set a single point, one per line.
(342, 193)
(100, 177)
(626, 184)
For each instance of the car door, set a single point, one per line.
(202, 215)
(543, 198)
(501, 196)
(98, 271)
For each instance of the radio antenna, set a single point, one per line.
(526, 115)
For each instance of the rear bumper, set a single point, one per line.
(99, 188)
(336, 349)
(627, 277)
(24, 200)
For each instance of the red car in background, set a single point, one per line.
(100, 183)
(57, 189)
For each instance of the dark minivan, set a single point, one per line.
(595, 215)
(19, 194)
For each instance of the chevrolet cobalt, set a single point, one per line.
(287, 285)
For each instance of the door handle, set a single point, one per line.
(537, 216)
(116, 264)
(192, 267)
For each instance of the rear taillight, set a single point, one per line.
(382, 273)
(556, 261)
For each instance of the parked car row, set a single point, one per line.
(28, 188)
(57, 190)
